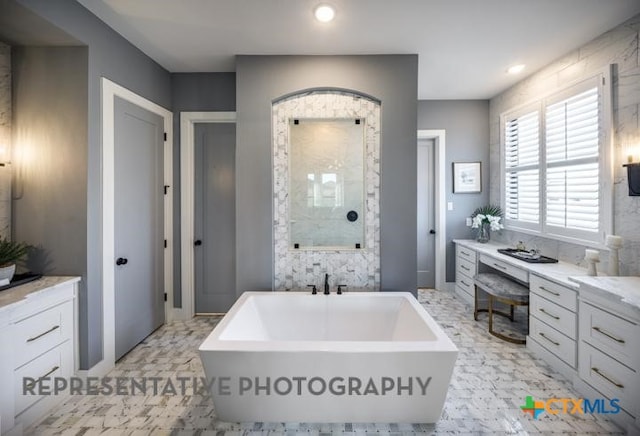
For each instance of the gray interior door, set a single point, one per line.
(139, 240)
(215, 217)
(426, 217)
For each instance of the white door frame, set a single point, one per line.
(438, 137)
(110, 91)
(187, 201)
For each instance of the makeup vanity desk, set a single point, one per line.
(586, 328)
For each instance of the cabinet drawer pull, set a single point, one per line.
(55, 327)
(551, 292)
(463, 282)
(548, 339)
(604, 376)
(599, 330)
(464, 253)
(465, 267)
(504, 268)
(35, 382)
(548, 314)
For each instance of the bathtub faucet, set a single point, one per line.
(326, 284)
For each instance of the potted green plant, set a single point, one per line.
(10, 253)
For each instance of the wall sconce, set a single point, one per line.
(632, 165)
(633, 177)
(4, 155)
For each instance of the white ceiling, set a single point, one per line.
(464, 46)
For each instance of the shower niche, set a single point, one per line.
(326, 189)
(326, 183)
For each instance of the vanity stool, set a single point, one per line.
(505, 290)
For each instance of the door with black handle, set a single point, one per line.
(214, 220)
(139, 225)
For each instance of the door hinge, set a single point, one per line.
(165, 243)
(165, 296)
(165, 136)
(165, 189)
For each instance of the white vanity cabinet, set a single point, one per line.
(609, 346)
(553, 328)
(586, 328)
(38, 336)
(466, 265)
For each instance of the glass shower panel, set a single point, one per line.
(326, 183)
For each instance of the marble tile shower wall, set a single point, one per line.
(619, 47)
(357, 268)
(5, 139)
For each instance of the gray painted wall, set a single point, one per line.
(262, 79)
(193, 92)
(50, 156)
(111, 56)
(467, 140)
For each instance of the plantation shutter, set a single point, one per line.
(522, 170)
(572, 166)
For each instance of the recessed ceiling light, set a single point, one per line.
(515, 69)
(324, 13)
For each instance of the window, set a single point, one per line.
(522, 165)
(572, 164)
(555, 159)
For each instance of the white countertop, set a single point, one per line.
(22, 293)
(556, 272)
(625, 290)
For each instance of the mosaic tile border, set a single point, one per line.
(295, 269)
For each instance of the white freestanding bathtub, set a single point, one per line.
(356, 357)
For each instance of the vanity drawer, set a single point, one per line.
(57, 362)
(466, 284)
(550, 313)
(610, 377)
(42, 331)
(465, 268)
(465, 253)
(611, 334)
(554, 341)
(513, 271)
(561, 295)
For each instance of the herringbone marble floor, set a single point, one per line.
(490, 382)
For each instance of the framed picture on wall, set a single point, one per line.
(467, 177)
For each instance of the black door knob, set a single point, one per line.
(122, 261)
(197, 243)
(433, 232)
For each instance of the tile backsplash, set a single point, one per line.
(5, 140)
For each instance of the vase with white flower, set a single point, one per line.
(485, 219)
